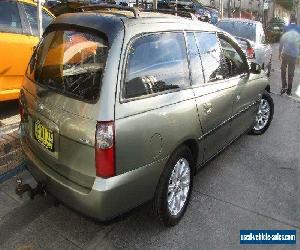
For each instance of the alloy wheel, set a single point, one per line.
(179, 185)
(263, 115)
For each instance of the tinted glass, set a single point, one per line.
(156, 63)
(240, 29)
(9, 17)
(211, 55)
(31, 15)
(233, 59)
(71, 63)
(195, 61)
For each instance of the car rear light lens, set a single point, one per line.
(105, 149)
(250, 53)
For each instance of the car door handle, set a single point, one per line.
(238, 97)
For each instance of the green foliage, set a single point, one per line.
(288, 4)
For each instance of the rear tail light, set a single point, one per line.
(105, 149)
(250, 53)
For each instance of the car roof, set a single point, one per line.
(111, 23)
(239, 20)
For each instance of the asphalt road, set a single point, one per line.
(254, 184)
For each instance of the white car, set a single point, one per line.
(251, 36)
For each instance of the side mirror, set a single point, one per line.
(255, 68)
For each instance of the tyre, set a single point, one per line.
(264, 115)
(174, 188)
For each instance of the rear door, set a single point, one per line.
(15, 48)
(61, 93)
(156, 112)
(213, 95)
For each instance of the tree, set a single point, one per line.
(288, 4)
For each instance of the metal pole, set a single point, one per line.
(222, 9)
(155, 4)
(263, 13)
(240, 8)
(39, 18)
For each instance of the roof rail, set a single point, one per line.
(179, 12)
(135, 11)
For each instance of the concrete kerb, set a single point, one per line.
(13, 172)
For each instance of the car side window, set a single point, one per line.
(31, 15)
(211, 55)
(233, 59)
(10, 20)
(156, 63)
(195, 60)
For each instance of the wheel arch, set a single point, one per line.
(194, 147)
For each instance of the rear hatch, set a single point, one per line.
(60, 96)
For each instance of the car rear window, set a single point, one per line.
(70, 62)
(240, 29)
(9, 17)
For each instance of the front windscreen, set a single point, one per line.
(70, 62)
(240, 29)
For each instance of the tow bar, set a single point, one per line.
(23, 188)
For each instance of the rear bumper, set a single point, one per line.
(107, 198)
(9, 94)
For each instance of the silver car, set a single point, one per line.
(119, 108)
(251, 37)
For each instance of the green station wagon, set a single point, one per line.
(121, 107)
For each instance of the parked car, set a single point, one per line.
(66, 7)
(275, 29)
(117, 111)
(251, 37)
(18, 36)
(51, 3)
(204, 13)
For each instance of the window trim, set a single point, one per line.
(189, 61)
(223, 36)
(206, 83)
(122, 98)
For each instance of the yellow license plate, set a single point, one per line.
(44, 135)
